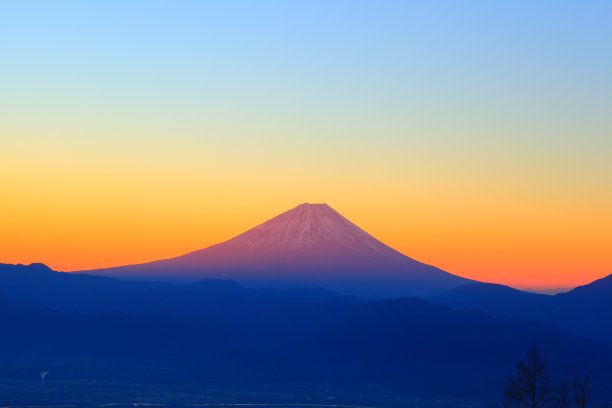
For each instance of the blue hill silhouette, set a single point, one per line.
(220, 332)
(586, 309)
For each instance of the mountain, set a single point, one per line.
(217, 332)
(268, 316)
(586, 309)
(601, 289)
(39, 285)
(79, 346)
(411, 343)
(310, 245)
(494, 299)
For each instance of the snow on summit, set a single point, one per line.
(309, 226)
(309, 245)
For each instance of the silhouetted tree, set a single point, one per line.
(581, 385)
(563, 398)
(531, 387)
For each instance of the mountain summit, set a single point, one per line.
(309, 245)
(309, 226)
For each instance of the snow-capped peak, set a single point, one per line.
(309, 226)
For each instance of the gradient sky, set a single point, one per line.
(473, 135)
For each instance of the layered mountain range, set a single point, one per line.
(218, 332)
(304, 298)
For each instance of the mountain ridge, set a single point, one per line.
(585, 309)
(218, 330)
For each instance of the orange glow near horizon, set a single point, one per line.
(446, 130)
(93, 218)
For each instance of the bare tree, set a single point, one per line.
(581, 385)
(531, 386)
(563, 397)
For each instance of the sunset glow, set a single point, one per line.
(153, 143)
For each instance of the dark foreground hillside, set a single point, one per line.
(123, 394)
(150, 341)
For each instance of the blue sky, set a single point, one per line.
(483, 107)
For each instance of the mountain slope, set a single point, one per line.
(268, 316)
(409, 341)
(213, 330)
(39, 285)
(586, 310)
(494, 299)
(310, 245)
(404, 344)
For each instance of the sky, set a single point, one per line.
(474, 135)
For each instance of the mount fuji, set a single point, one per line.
(310, 245)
